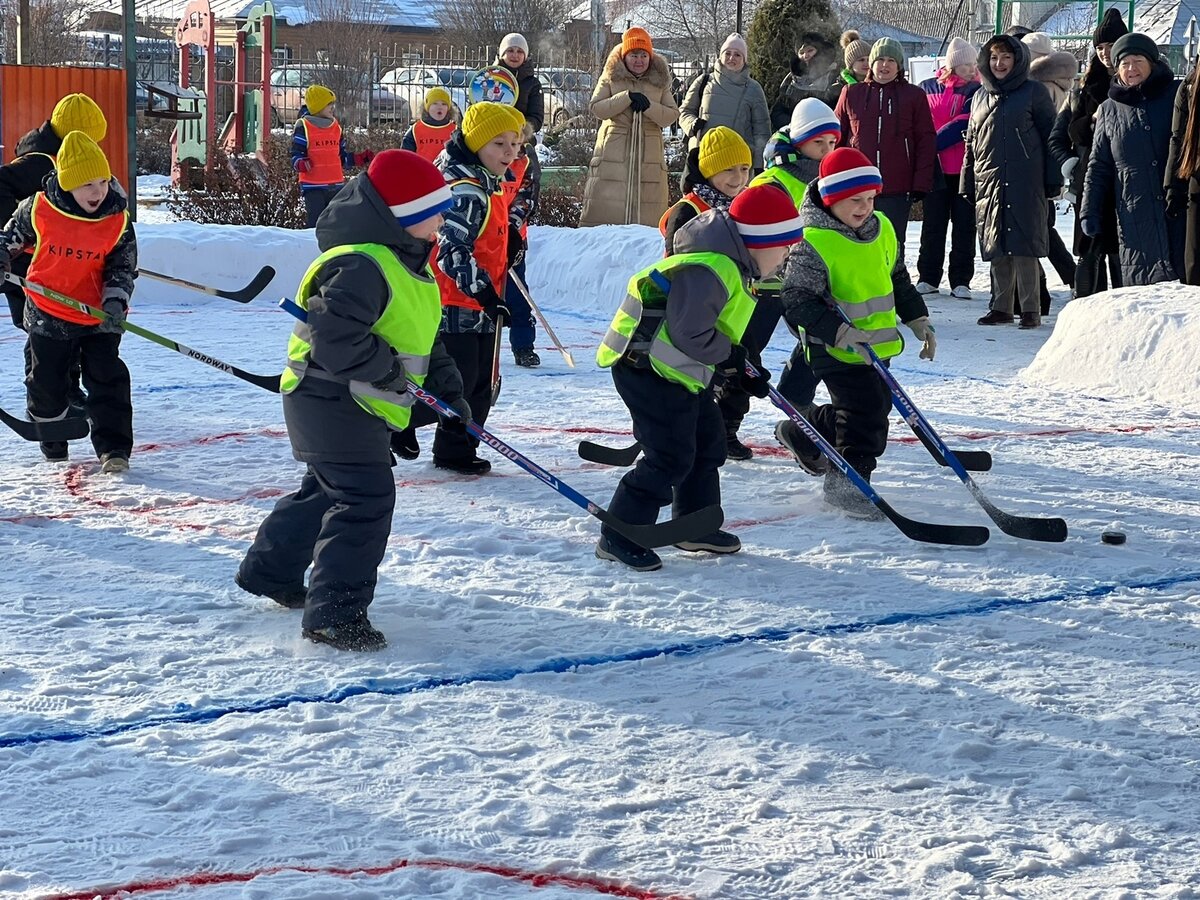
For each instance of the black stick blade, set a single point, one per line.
(935, 533)
(1052, 529)
(688, 527)
(972, 460)
(609, 456)
(259, 284)
(71, 429)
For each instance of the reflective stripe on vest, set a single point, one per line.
(431, 139)
(490, 253)
(512, 187)
(324, 152)
(409, 325)
(69, 257)
(692, 199)
(860, 279)
(646, 301)
(786, 180)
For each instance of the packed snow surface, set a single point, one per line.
(836, 711)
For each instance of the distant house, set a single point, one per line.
(920, 28)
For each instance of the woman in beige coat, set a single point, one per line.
(634, 79)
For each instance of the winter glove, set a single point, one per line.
(733, 367)
(458, 425)
(115, 310)
(916, 196)
(638, 101)
(364, 158)
(923, 331)
(698, 127)
(396, 380)
(493, 307)
(516, 246)
(1068, 167)
(848, 336)
(1089, 227)
(303, 165)
(756, 385)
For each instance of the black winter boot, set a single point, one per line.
(840, 493)
(404, 443)
(1030, 320)
(995, 317)
(527, 358)
(292, 596)
(471, 466)
(617, 549)
(735, 449)
(811, 459)
(54, 451)
(717, 542)
(360, 636)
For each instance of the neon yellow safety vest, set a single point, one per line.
(409, 325)
(860, 279)
(785, 179)
(646, 301)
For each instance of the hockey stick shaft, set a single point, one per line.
(566, 354)
(243, 295)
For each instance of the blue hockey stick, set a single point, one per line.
(674, 531)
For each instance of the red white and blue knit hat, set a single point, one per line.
(846, 172)
(765, 216)
(412, 187)
(812, 118)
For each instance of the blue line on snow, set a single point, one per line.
(184, 714)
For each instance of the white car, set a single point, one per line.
(411, 84)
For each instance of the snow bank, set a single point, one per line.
(1141, 343)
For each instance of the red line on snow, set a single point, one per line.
(589, 883)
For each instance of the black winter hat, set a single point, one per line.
(1134, 44)
(1111, 27)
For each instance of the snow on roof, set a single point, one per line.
(393, 13)
(1165, 21)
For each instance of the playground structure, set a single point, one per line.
(247, 127)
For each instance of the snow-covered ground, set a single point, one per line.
(836, 711)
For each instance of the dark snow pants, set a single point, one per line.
(733, 402)
(315, 201)
(473, 353)
(855, 420)
(339, 522)
(683, 447)
(943, 208)
(897, 208)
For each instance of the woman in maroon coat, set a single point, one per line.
(888, 120)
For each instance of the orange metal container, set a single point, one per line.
(28, 95)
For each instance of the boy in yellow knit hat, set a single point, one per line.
(715, 173)
(473, 258)
(81, 243)
(428, 135)
(319, 153)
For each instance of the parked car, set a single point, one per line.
(289, 84)
(411, 84)
(566, 94)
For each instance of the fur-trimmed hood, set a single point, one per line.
(615, 71)
(1057, 68)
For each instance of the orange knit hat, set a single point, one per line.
(636, 39)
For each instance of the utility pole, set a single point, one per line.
(23, 33)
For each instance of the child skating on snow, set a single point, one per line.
(428, 135)
(82, 245)
(849, 261)
(373, 314)
(683, 316)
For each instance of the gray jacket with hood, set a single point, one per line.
(324, 422)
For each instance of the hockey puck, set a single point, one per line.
(1113, 537)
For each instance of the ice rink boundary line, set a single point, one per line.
(535, 879)
(183, 714)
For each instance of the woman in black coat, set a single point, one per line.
(514, 56)
(1128, 162)
(1183, 173)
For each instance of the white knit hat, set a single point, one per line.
(1039, 43)
(812, 118)
(959, 53)
(735, 42)
(514, 40)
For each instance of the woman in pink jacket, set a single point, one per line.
(949, 94)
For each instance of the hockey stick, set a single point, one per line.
(566, 354)
(496, 376)
(256, 286)
(1031, 528)
(685, 528)
(930, 532)
(52, 431)
(266, 382)
(609, 456)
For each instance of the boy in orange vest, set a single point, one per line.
(319, 153)
(715, 172)
(428, 135)
(82, 245)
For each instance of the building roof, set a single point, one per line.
(391, 13)
(905, 20)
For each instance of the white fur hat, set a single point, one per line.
(1039, 43)
(514, 40)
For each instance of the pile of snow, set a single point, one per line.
(1140, 343)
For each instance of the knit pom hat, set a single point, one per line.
(1111, 27)
(765, 216)
(80, 160)
(486, 121)
(722, 148)
(854, 47)
(514, 40)
(437, 95)
(846, 172)
(888, 48)
(811, 118)
(735, 42)
(412, 187)
(1039, 43)
(317, 97)
(636, 39)
(959, 53)
(1134, 44)
(78, 112)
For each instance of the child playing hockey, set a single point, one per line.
(849, 261)
(319, 153)
(373, 315)
(82, 245)
(682, 317)
(428, 135)
(715, 173)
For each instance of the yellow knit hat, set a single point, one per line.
(722, 148)
(485, 122)
(317, 97)
(78, 112)
(437, 95)
(80, 160)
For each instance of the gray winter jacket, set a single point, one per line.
(1008, 172)
(325, 424)
(732, 99)
(1129, 157)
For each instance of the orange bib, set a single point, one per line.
(432, 138)
(512, 186)
(69, 257)
(697, 203)
(325, 154)
(491, 250)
